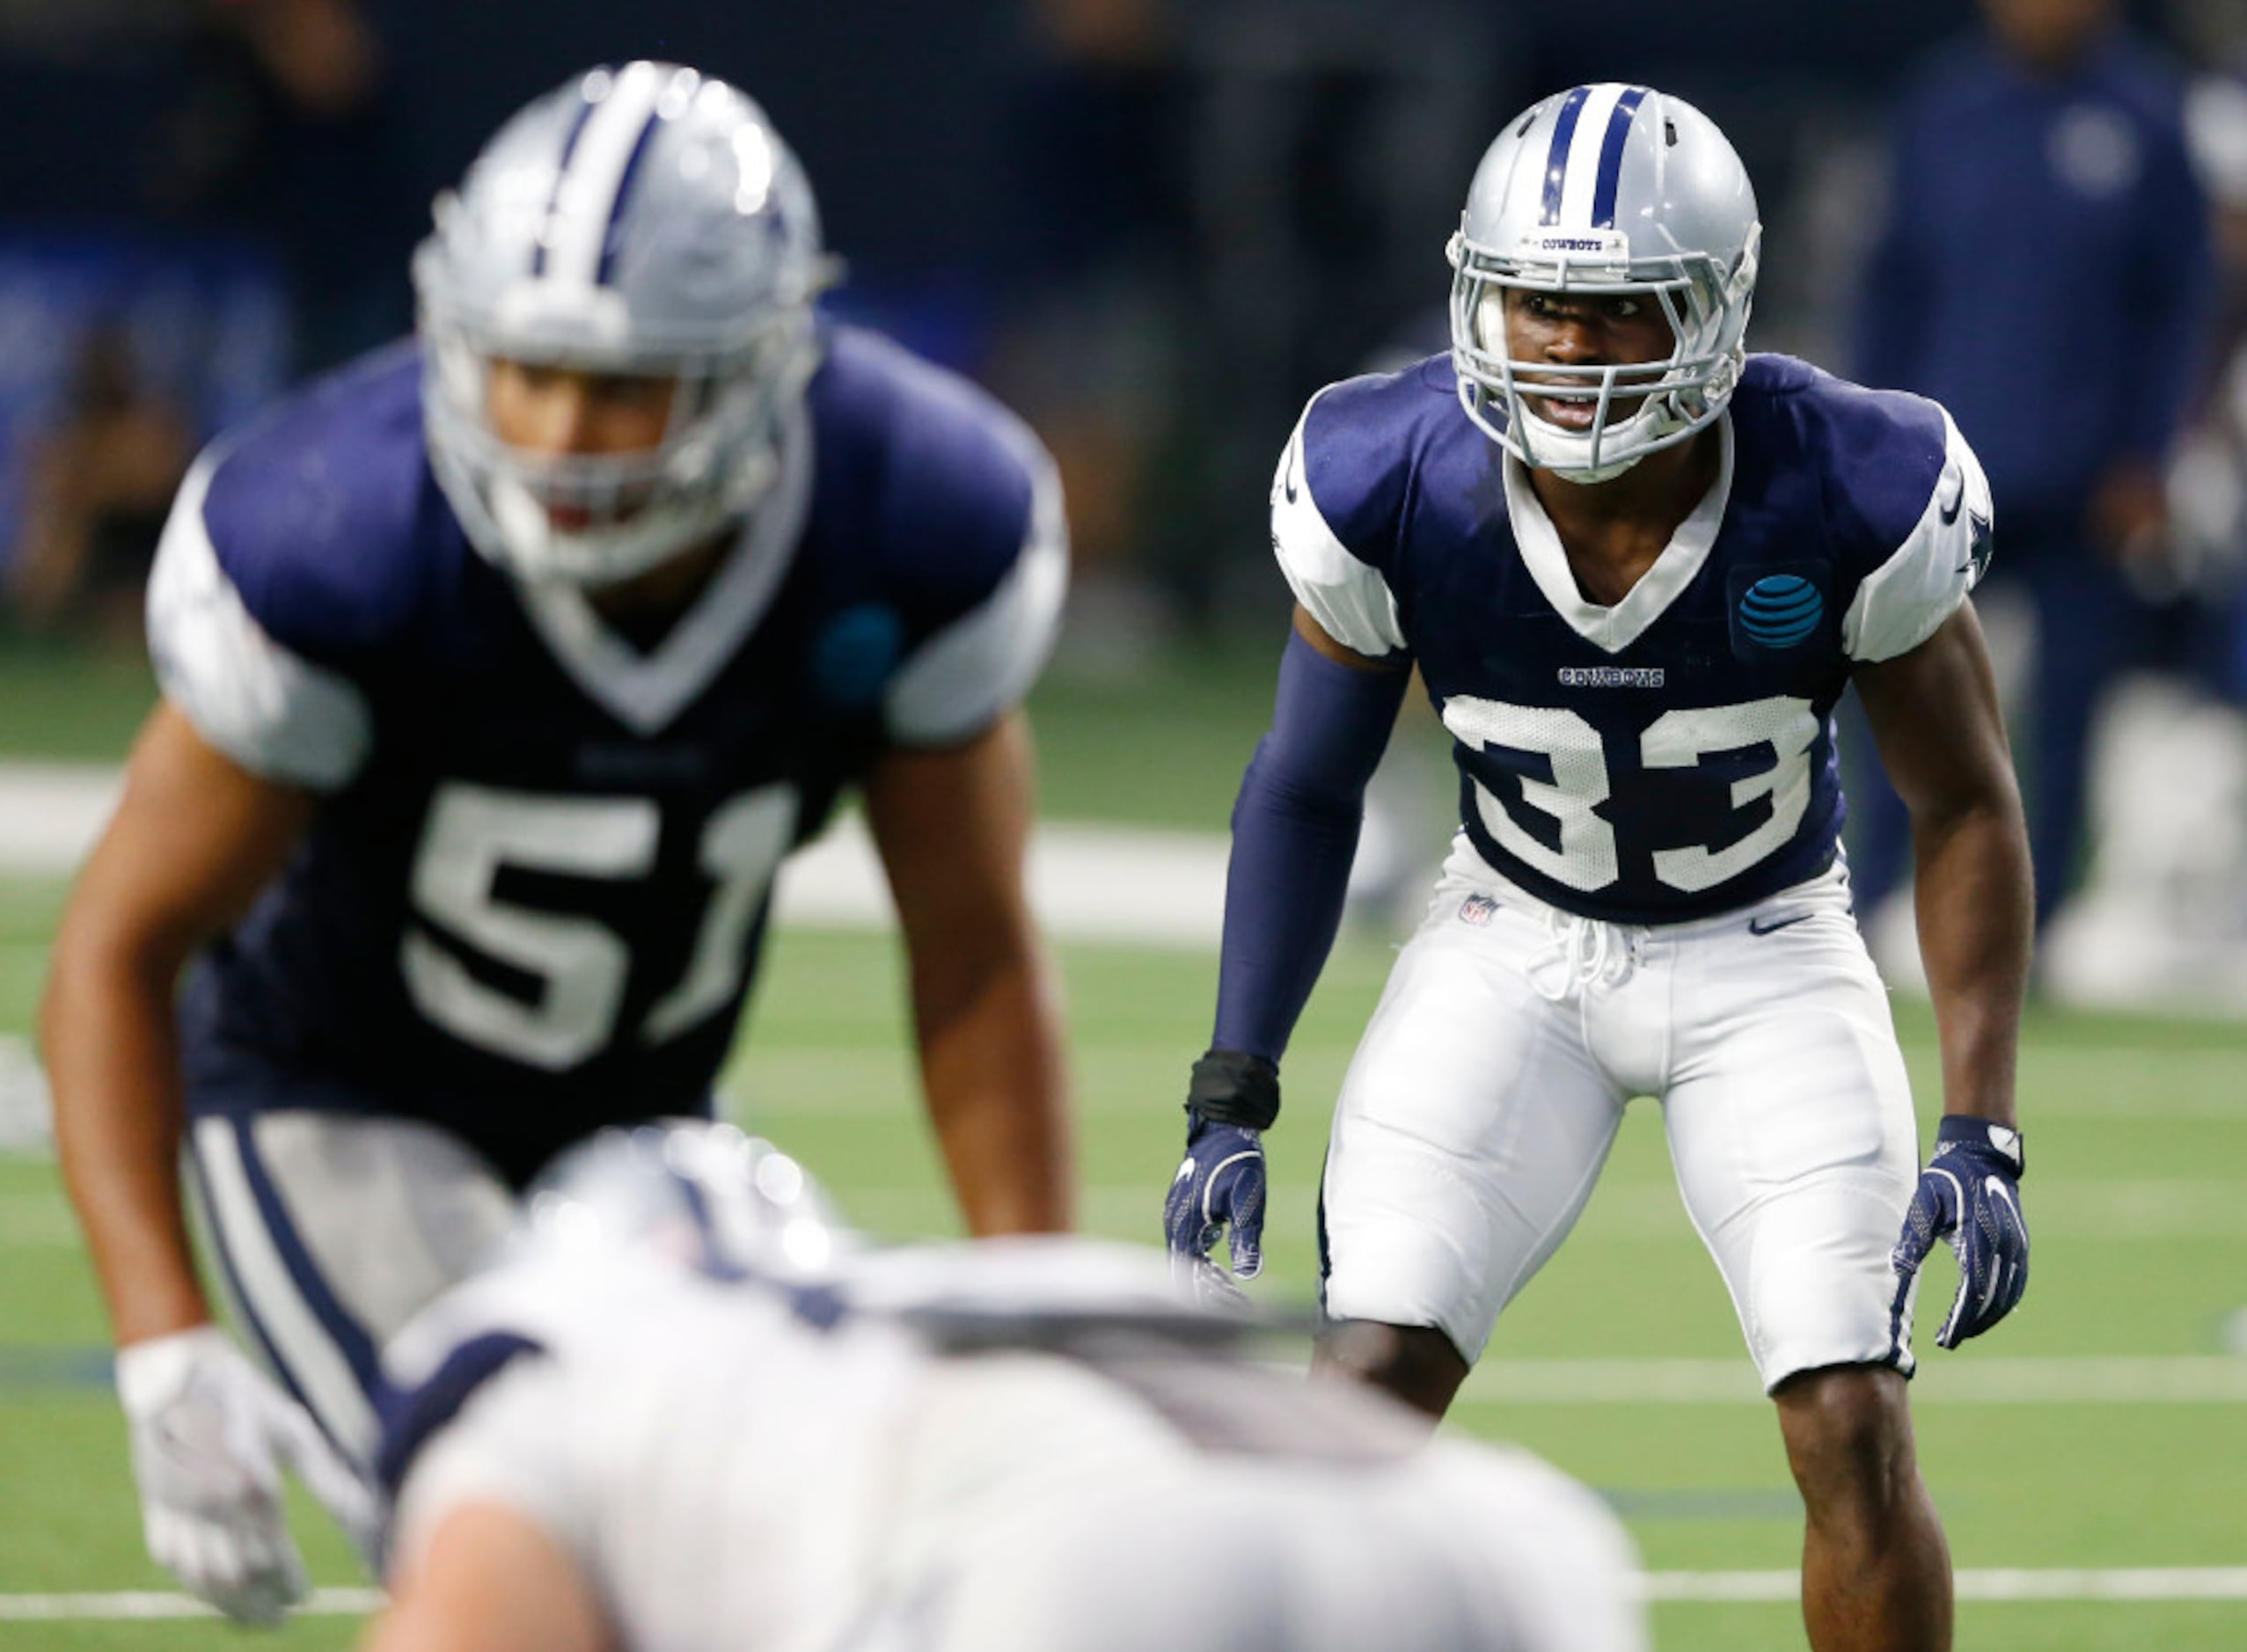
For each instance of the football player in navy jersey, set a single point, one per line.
(500, 672)
(1637, 567)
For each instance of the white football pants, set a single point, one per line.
(1491, 1080)
(332, 1231)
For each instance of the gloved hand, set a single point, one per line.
(1219, 1186)
(1970, 1194)
(210, 1435)
(1231, 1100)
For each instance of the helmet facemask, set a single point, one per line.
(1705, 305)
(718, 457)
(643, 223)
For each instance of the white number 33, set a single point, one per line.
(1587, 858)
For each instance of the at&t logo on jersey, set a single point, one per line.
(1774, 610)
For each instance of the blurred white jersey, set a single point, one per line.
(756, 1469)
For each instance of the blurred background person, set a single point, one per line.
(207, 206)
(2160, 919)
(2044, 270)
(96, 492)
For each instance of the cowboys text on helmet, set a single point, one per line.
(1598, 191)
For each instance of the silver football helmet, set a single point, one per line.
(698, 1193)
(643, 220)
(1605, 189)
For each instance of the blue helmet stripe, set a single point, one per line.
(613, 239)
(1610, 159)
(554, 201)
(1556, 159)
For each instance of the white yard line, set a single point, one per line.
(2127, 1584)
(2135, 1584)
(51, 812)
(1087, 882)
(1943, 1379)
(142, 1605)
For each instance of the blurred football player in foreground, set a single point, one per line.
(681, 1412)
(500, 673)
(1637, 567)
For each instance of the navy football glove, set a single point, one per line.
(1970, 1194)
(1220, 1186)
(1232, 1100)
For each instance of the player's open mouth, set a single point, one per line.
(1574, 413)
(566, 518)
(1569, 415)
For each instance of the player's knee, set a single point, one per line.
(1848, 1436)
(1416, 1362)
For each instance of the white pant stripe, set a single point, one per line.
(1592, 122)
(317, 1366)
(587, 193)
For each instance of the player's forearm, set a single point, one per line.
(1976, 917)
(1284, 886)
(113, 1060)
(488, 1579)
(996, 1088)
(1295, 830)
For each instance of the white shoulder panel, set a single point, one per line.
(985, 661)
(270, 710)
(1349, 600)
(1900, 604)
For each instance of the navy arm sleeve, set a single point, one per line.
(1294, 833)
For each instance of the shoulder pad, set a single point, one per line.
(1358, 443)
(323, 514)
(1879, 452)
(925, 470)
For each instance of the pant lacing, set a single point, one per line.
(1583, 952)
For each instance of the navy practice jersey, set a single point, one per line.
(532, 896)
(1670, 756)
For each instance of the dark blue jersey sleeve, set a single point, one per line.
(295, 556)
(1341, 498)
(320, 514)
(957, 508)
(1907, 508)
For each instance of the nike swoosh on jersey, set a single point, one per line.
(1757, 926)
(1949, 511)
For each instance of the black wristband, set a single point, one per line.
(2004, 1141)
(1229, 1087)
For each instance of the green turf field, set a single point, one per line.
(2102, 1428)
(2139, 1198)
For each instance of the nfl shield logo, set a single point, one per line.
(1477, 909)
